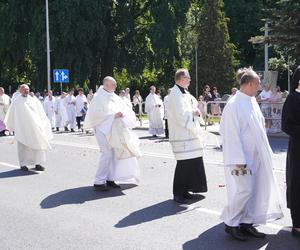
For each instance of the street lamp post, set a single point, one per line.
(266, 74)
(48, 47)
(196, 54)
(288, 74)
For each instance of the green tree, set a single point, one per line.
(284, 26)
(216, 54)
(245, 21)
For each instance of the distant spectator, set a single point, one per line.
(233, 91)
(276, 107)
(202, 105)
(122, 94)
(207, 97)
(137, 103)
(90, 96)
(263, 98)
(206, 94)
(127, 94)
(215, 107)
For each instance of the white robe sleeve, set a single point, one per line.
(183, 116)
(232, 145)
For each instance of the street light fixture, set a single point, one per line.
(196, 55)
(48, 47)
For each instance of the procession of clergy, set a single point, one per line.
(253, 195)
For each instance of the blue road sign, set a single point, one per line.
(61, 75)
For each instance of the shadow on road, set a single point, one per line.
(154, 212)
(279, 145)
(159, 138)
(16, 173)
(216, 238)
(80, 195)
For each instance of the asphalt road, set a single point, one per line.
(58, 209)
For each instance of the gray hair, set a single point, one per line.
(248, 76)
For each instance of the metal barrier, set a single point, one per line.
(271, 111)
(213, 112)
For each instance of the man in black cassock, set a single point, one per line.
(291, 126)
(186, 140)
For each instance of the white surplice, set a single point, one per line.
(49, 106)
(27, 118)
(155, 109)
(253, 199)
(60, 112)
(70, 102)
(80, 100)
(4, 104)
(118, 145)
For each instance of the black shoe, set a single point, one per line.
(66, 129)
(251, 230)
(180, 199)
(295, 232)
(39, 168)
(235, 232)
(57, 129)
(112, 184)
(102, 187)
(24, 168)
(72, 130)
(190, 196)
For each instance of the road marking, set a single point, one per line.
(217, 213)
(145, 153)
(8, 165)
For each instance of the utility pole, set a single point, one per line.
(288, 74)
(266, 73)
(48, 47)
(196, 54)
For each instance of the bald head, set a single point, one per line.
(24, 90)
(109, 84)
(152, 89)
(250, 82)
(249, 76)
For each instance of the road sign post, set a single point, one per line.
(61, 76)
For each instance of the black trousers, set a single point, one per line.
(189, 176)
(166, 128)
(78, 120)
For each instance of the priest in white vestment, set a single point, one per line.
(49, 106)
(155, 109)
(80, 100)
(27, 118)
(112, 121)
(60, 111)
(70, 102)
(16, 94)
(4, 104)
(187, 140)
(253, 194)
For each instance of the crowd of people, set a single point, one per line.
(253, 196)
(270, 99)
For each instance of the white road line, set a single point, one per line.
(217, 213)
(145, 153)
(8, 165)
